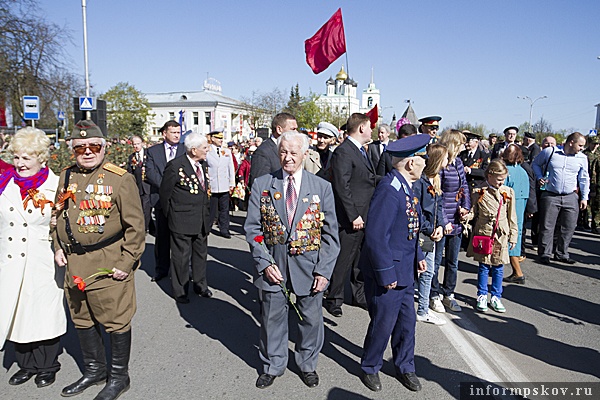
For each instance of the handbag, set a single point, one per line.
(427, 244)
(485, 244)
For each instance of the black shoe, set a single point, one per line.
(45, 379)
(226, 235)
(158, 277)
(515, 279)
(567, 260)
(182, 300)
(310, 379)
(333, 309)
(595, 230)
(371, 381)
(264, 381)
(544, 260)
(410, 381)
(20, 377)
(207, 293)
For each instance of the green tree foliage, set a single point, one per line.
(33, 62)
(476, 127)
(127, 111)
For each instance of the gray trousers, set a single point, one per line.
(561, 210)
(273, 349)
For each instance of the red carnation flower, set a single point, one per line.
(79, 282)
(259, 238)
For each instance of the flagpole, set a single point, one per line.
(348, 72)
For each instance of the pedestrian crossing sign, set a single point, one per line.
(86, 103)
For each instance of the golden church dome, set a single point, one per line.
(342, 75)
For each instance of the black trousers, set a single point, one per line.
(184, 247)
(347, 262)
(219, 202)
(147, 207)
(162, 244)
(39, 356)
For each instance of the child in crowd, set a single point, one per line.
(495, 216)
(428, 191)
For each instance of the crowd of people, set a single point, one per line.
(383, 215)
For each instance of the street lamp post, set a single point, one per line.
(531, 103)
(85, 54)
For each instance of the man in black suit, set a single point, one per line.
(136, 165)
(377, 148)
(156, 162)
(533, 148)
(510, 135)
(184, 200)
(354, 181)
(266, 158)
(385, 162)
(475, 160)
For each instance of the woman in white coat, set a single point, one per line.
(32, 315)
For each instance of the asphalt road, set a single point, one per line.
(208, 349)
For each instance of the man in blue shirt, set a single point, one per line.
(564, 176)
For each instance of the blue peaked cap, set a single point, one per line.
(415, 145)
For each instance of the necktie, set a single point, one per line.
(137, 157)
(291, 200)
(471, 155)
(384, 147)
(200, 176)
(172, 150)
(364, 153)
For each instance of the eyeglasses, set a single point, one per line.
(81, 148)
(433, 127)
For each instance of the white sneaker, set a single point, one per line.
(451, 303)
(497, 305)
(431, 318)
(435, 304)
(482, 303)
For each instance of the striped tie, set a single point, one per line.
(291, 200)
(200, 176)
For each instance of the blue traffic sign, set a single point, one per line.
(593, 132)
(60, 115)
(86, 103)
(31, 107)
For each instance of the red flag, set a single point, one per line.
(327, 45)
(373, 115)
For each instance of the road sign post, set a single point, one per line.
(31, 109)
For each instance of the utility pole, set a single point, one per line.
(531, 103)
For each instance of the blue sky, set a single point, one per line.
(464, 60)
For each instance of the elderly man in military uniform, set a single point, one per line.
(430, 126)
(475, 160)
(99, 237)
(221, 180)
(390, 260)
(293, 233)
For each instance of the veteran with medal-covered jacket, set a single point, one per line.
(293, 234)
(99, 237)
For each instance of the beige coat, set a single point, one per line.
(485, 202)
(31, 302)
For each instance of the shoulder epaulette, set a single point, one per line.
(114, 169)
(396, 184)
(70, 166)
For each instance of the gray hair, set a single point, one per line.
(387, 128)
(293, 135)
(194, 140)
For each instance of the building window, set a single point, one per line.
(207, 118)
(195, 118)
(370, 102)
(171, 115)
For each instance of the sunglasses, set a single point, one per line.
(81, 148)
(433, 127)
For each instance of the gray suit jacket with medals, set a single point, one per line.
(300, 269)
